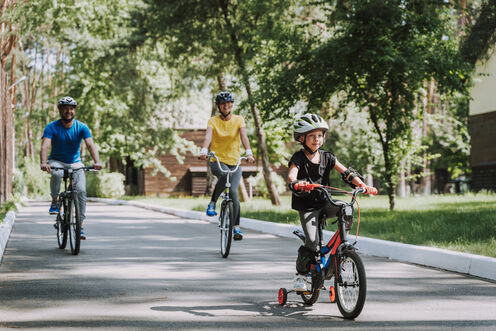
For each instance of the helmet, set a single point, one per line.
(66, 101)
(307, 123)
(224, 97)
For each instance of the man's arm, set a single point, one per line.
(93, 152)
(45, 146)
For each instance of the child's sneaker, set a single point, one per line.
(211, 209)
(238, 234)
(54, 208)
(300, 283)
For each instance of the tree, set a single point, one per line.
(238, 32)
(378, 58)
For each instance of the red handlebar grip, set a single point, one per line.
(370, 190)
(307, 187)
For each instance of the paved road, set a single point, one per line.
(146, 270)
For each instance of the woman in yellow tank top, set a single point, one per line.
(223, 135)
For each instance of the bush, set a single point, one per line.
(258, 182)
(105, 185)
(33, 182)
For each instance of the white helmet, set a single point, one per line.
(307, 123)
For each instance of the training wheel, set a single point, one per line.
(283, 296)
(332, 294)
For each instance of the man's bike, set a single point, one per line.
(226, 216)
(68, 221)
(337, 259)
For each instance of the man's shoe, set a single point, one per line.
(54, 208)
(211, 209)
(300, 283)
(238, 234)
(83, 235)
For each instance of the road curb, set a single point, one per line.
(5, 229)
(471, 264)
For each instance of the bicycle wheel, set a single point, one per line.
(310, 297)
(61, 227)
(74, 227)
(350, 285)
(226, 227)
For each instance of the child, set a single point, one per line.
(312, 165)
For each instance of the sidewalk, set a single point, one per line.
(475, 265)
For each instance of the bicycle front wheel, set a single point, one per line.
(61, 227)
(350, 285)
(74, 227)
(226, 227)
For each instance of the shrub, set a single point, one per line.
(36, 181)
(258, 182)
(105, 185)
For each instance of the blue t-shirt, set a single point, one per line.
(66, 142)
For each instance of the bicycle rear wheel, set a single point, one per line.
(74, 227)
(61, 227)
(350, 284)
(310, 297)
(226, 227)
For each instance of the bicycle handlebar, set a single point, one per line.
(87, 168)
(212, 154)
(310, 187)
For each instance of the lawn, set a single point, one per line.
(464, 223)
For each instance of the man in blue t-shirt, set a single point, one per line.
(65, 136)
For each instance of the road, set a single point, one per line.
(144, 270)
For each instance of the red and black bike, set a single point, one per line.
(338, 259)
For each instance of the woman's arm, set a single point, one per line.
(246, 144)
(206, 143)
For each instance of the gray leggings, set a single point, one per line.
(79, 183)
(309, 221)
(221, 184)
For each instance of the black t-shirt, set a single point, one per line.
(312, 173)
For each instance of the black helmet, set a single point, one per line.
(66, 101)
(224, 97)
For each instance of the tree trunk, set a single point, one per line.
(238, 54)
(211, 179)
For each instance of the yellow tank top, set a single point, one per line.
(225, 138)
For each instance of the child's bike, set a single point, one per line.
(337, 259)
(226, 216)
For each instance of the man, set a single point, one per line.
(64, 136)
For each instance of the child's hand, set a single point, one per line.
(369, 190)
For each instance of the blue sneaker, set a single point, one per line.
(211, 209)
(54, 208)
(83, 235)
(238, 234)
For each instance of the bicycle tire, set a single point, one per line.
(74, 227)
(226, 227)
(61, 227)
(350, 285)
(310, 297)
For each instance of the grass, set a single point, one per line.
(464, 223)
(5, 208)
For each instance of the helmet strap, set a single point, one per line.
(308, 149)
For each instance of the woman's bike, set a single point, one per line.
(226, 216)
(68, 221)
(337, 259)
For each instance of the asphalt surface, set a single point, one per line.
(144, 270)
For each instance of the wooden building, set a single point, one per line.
(483, 128)
(191, 175)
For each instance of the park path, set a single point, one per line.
(146, 270)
